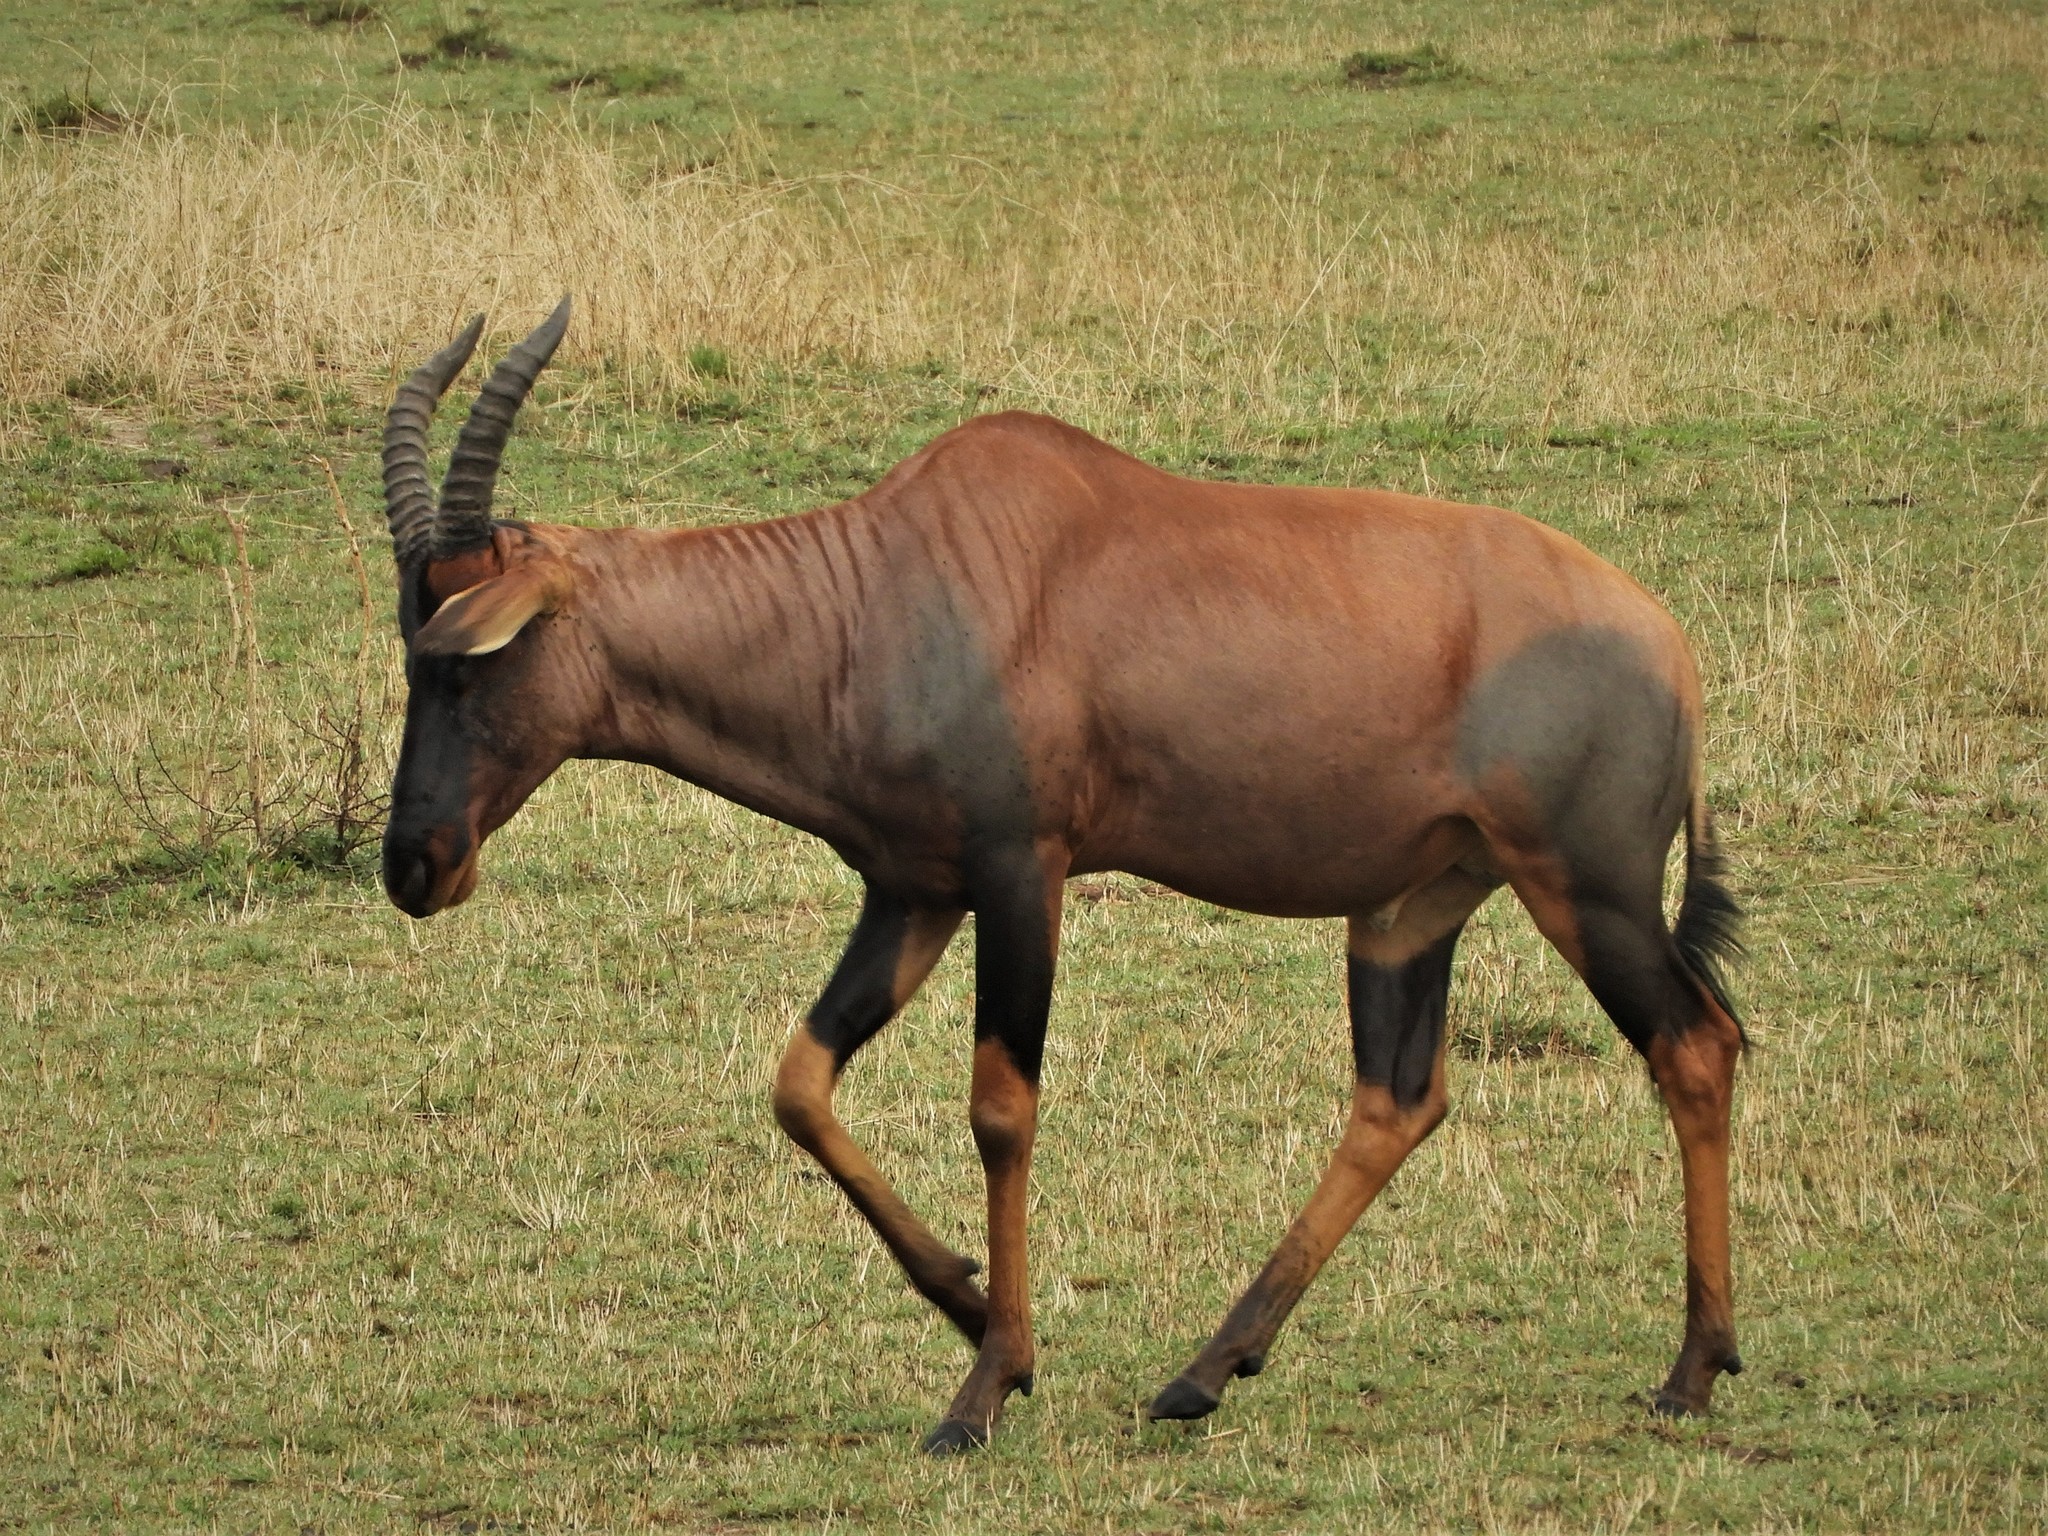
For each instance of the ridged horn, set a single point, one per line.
(464, 521)
(408, 494)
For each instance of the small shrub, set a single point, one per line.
(1510, 1035)
(70, 112)
(99, 384)
(2026, 214)
(1418, 66)
(710, 362)
(721, 407)
(622, 80)
(289, 1220)
(1903, 135)
(198, 545)
(330, 13)
(248, 782)
(475, 39)
(91, 563)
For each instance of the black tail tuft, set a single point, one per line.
(1709, 929)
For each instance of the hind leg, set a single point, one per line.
(1696, 1075)
(1612, 931)
(1399, 976)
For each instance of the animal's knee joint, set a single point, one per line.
(802, 1097)
(1429, 1114)
(1002, 1126)
(1378, 1119)
(802, 1119)
(1696, 1069)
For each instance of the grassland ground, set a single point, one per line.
(318, 1218)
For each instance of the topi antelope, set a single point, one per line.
(1024, 656)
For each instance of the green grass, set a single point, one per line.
(315, 1217)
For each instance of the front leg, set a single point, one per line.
(893, 948)
(1015, 942)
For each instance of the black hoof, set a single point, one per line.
(954, 1436)
(1251, 1365)
(1665, 1406)
(971, 1267)
(1732, 1365)
(1182, 1399)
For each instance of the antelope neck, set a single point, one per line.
(725, 658)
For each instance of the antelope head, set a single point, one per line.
(500, 689)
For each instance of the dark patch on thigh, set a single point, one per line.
(1636, 974)
(1600, 745)
(1397, 1018)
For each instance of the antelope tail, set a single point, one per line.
(1709, 929)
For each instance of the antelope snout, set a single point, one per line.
(427, 870)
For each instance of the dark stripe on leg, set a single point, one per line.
(861, 996)
(1397, 1018)
(1015, 945)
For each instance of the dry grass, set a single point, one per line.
(1179, 282)
(1845, 693)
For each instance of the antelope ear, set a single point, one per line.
(485, 617)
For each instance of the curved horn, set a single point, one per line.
(408, 494)
(464, 520)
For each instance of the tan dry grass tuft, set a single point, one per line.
(189, 263)
(1852, 696)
